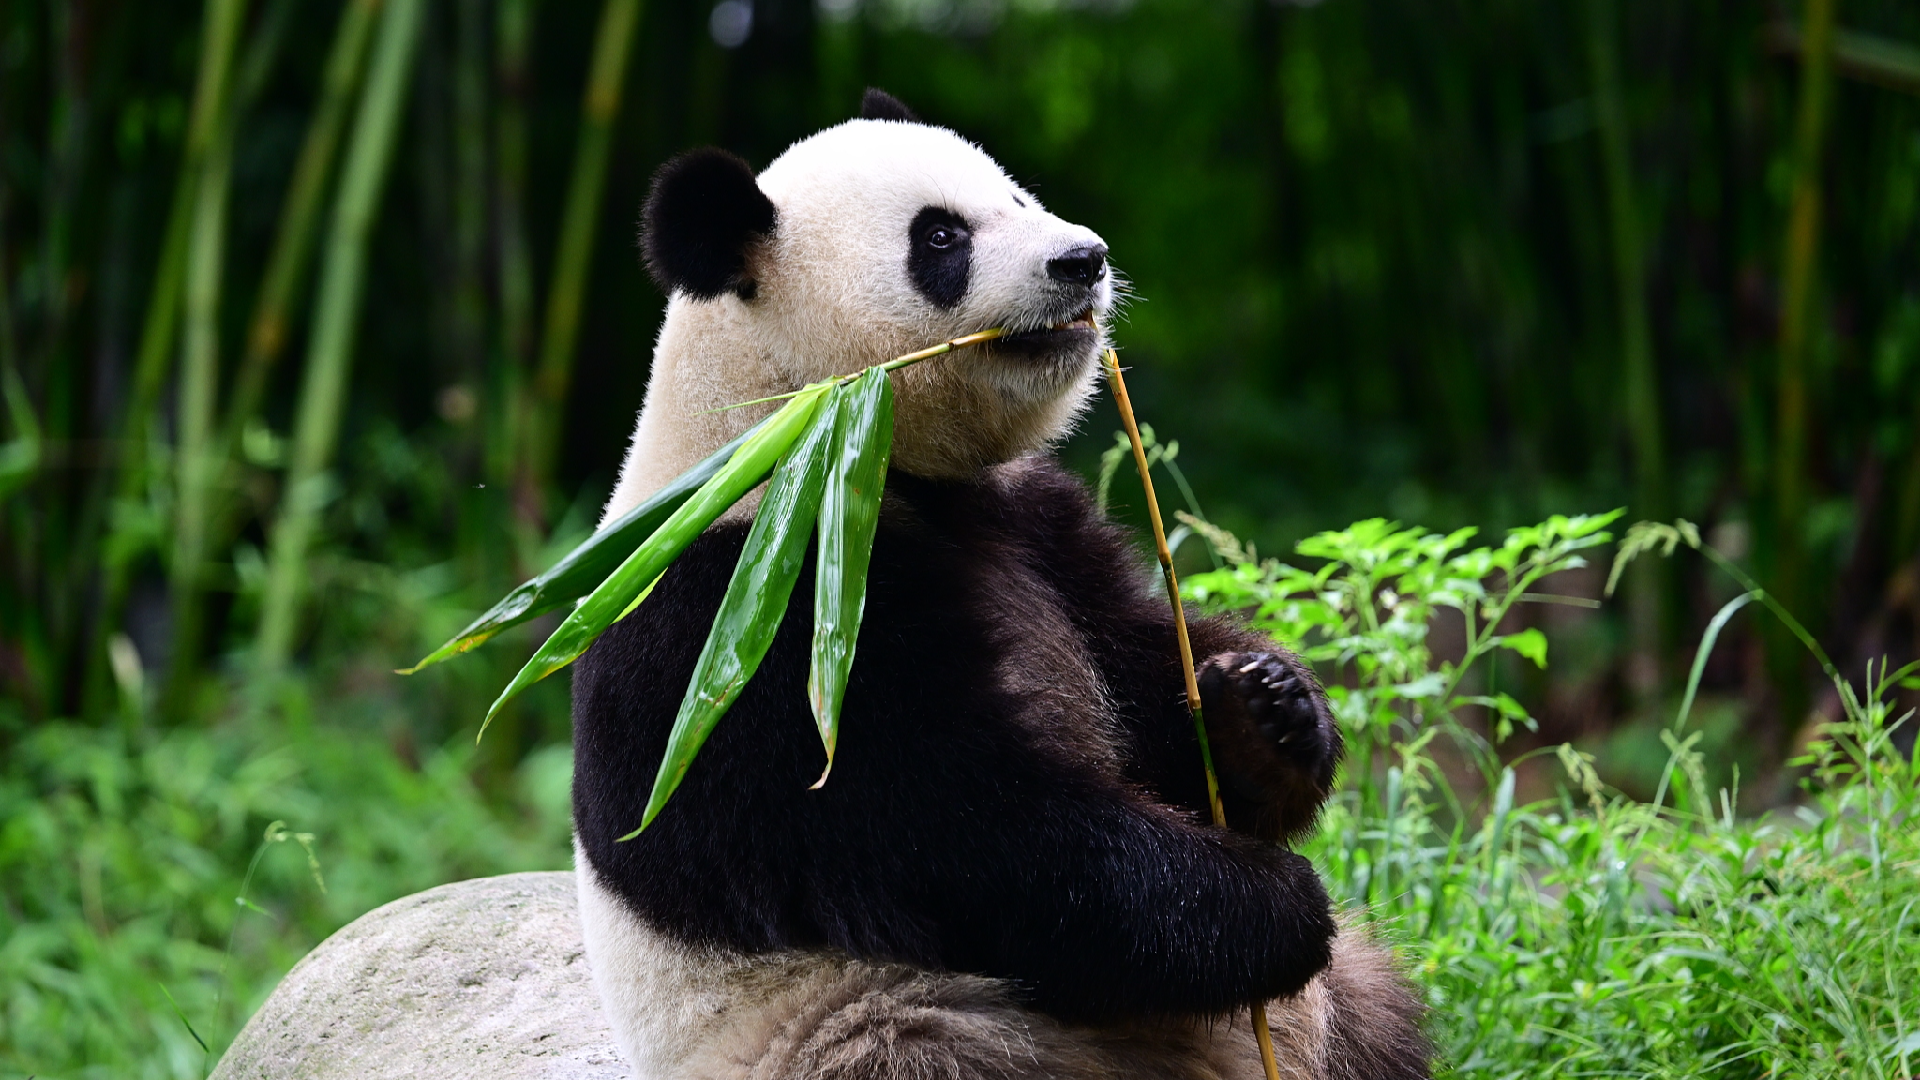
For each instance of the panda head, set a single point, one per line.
(863, 242)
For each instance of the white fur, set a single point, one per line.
(689, 1012)
(671, 1004)
(833, 295)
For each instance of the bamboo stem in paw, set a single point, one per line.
(1260, 1032)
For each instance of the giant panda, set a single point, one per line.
(1010, 872)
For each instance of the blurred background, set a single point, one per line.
(321, 325)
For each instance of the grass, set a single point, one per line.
(1586, 933)
(121, 858)
(1592, 934)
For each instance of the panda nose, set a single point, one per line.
(1081, 265)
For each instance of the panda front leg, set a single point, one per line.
(1274, 740)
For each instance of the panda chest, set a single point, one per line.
(1031, 665)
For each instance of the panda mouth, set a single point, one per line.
(1072, 334)
(1082, 320)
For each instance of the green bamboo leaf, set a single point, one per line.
(606, 604)
(588, 565)
(849, 514)
(756, 600)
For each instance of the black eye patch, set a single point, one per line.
(940, 255)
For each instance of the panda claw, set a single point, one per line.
(1269, 693)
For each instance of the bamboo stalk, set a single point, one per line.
(330, 345)
(1802, 246)
(299, 219)
(220, 34)
(60, 534)
(1646, 599)
(1790, 434)
(264, 47)
(199, 457)
(513, 42)
(1261, 1033)
(463, 178)
(566, 294)
(510, 405)
(209, 498)
(194, 463)
(894, 364)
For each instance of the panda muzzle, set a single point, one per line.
(1061, 338)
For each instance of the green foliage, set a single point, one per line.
(1570, 932)
(134, 874)
(1366, 610)
(1588, 934)
(582, 569)
(826, 449)
(757, 593)
(849, 518)
(611, 599)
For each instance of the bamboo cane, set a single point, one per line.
(330, 347)
(220, 35)
(1799, 282)
(1260, 1033)
(299, 218)
(567, 292)
(201, 457)
(194, 469)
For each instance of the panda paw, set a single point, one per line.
(1273, 694)
(1276, 744)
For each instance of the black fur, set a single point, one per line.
(877, 104)
(702, 213)
(940, 255)
(1050, 831)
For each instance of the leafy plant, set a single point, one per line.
(139, 868)
(1366, 610)
(1567, 933)
(1588, 933)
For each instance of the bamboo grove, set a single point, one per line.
(296, 297)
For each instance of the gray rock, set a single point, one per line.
(484, 979)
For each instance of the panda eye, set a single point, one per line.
(942, 231)
(939, 255)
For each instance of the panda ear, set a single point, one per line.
(877, 104)
(701, 215)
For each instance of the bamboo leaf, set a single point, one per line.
(849, 515)
(606, 604)
(755, 602)
(588, 565)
